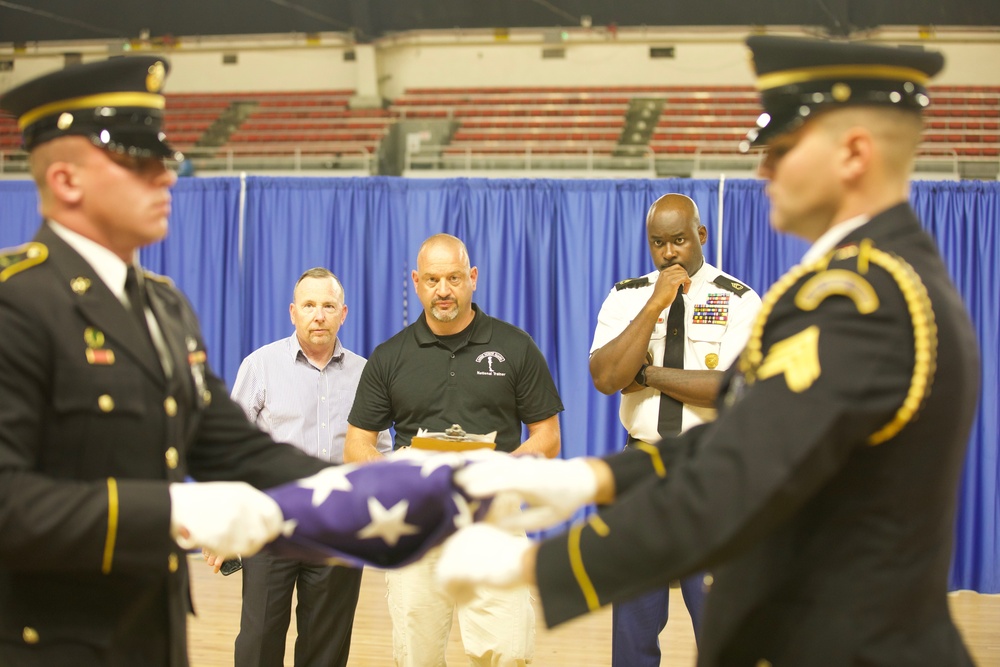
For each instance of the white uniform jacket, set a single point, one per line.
(718, 314)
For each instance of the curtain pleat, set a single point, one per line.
(548, 253)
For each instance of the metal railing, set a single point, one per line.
(283, 158)
(477, 158)
(355, 158)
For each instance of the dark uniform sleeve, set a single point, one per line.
(832, 371)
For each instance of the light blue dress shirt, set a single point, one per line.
(283, 393)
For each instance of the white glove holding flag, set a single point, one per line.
(227, 518)
(481, 555)
(554, 489)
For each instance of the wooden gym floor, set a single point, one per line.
(585, 642)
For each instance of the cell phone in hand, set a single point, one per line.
(231, 565)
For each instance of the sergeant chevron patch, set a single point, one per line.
(797, 357)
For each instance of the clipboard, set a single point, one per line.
(453, 439)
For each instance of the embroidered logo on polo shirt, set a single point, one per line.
(490, 357)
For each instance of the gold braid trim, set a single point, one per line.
(752, 355)
(924, 341)
(112, 535)
(921, 315)
(579, 571)
(654, 458)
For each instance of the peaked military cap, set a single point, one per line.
(115, 103)
(797, 77)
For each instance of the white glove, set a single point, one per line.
(553, 488)
(481, 555)
(227, 518)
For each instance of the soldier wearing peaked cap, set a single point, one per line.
(823, 496)
(106, 399)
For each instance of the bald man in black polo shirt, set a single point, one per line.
(455, 365)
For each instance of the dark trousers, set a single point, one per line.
(327, 598)
(637, 623)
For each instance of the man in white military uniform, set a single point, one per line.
(661, 340)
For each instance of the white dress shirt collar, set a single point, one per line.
(832, 237)
(295, 349)
(107, 265)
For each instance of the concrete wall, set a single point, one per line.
(459, 59)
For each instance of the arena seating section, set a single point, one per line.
(962, 124)
(317, 126)
(497, 121)
(282, 129)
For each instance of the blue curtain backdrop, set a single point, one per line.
(201, 255)
(355, 227)
(963, 218)
(19, 217)
(548, 252)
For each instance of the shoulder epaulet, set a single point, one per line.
(157, 277)
(632, 283)
(731, 285)
(15, 260)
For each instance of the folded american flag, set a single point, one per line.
(386, 514)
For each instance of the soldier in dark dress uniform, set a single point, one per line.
(823, 498)
(106, 400)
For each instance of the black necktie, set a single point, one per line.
(137, 304)
(669, 421)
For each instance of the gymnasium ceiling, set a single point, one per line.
(35, 20)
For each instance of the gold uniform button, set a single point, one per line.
(105, 403)
(207, 397)
(170, 406)
(30, 635)
(708, 581)
(171, 457)
(172, 563)
(763, 663)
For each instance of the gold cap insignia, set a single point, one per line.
(841, 92)
(154, 80)
(65, 120)
(711, 361)
(80, 284)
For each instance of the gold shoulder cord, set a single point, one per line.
(925, 342)
(921, 315)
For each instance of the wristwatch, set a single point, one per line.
(640, 377)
